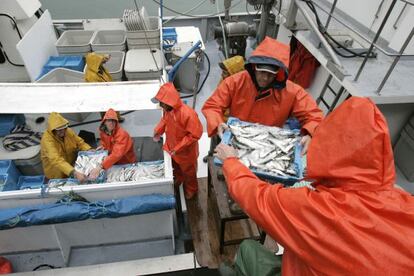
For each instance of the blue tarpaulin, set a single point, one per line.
(78, 210)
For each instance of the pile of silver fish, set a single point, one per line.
(135, 172)
(85, 163)
(53, 183)
(266, 149)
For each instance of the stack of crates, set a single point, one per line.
(404, 150)
(9, 176)
(145, 39)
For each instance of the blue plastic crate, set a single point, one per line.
(76, 63)
(30, 182)
(12, 174)
(169, 37)
(226, 139)
(9, 121)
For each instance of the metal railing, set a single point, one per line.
(373, 42)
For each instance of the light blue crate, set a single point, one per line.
(6, 184)
(290, 180)
(9, 121)
(31, 182)
(76, 63)
(12, 174)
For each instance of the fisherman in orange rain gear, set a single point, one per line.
(354, 222)
(183, 129)
(116, 141)
(262, 94)
(228, 67)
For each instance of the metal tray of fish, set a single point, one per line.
(136, 172)
(271, 153)
(88, 160)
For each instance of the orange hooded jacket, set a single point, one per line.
(239, 92)
(119, 144)
(181, 125)
(355, 222)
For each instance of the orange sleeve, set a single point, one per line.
(160, 128)
(194, 130)
(215, 106)
(306, 111)
(286, 214)
(119, 149)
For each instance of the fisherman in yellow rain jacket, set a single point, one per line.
(59, 148)
(96, 72)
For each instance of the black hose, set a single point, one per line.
(15, 23)
(204, 80)
(7, 58)
(20, 36)
(330, 38)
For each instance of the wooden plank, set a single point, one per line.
(204, 216)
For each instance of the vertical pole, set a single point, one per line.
(384, 21)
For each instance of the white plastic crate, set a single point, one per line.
(75, 42)
(152, 32)
(109, 40)
(61, 75)
(139, 64)
(145, 39)
(115, 64)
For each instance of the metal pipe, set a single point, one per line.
(315, 28)
(172, 72)
(384, 21)
(264, 17)
(359, 34)
(330, 14)
(387, 75)
(399, 16)
(161, 10)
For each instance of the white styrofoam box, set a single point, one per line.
(109, 40)
(115, 64)
(139, 64)
(75, 41)
(61, 75)
(20, 9)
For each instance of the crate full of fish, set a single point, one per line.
(272, 153)
(136, 172)
(88, 160)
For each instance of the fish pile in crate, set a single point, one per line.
(136, 172)
(88, 160)
(266, 149)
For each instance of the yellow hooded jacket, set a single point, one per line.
(58, 156)
(95, 71)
